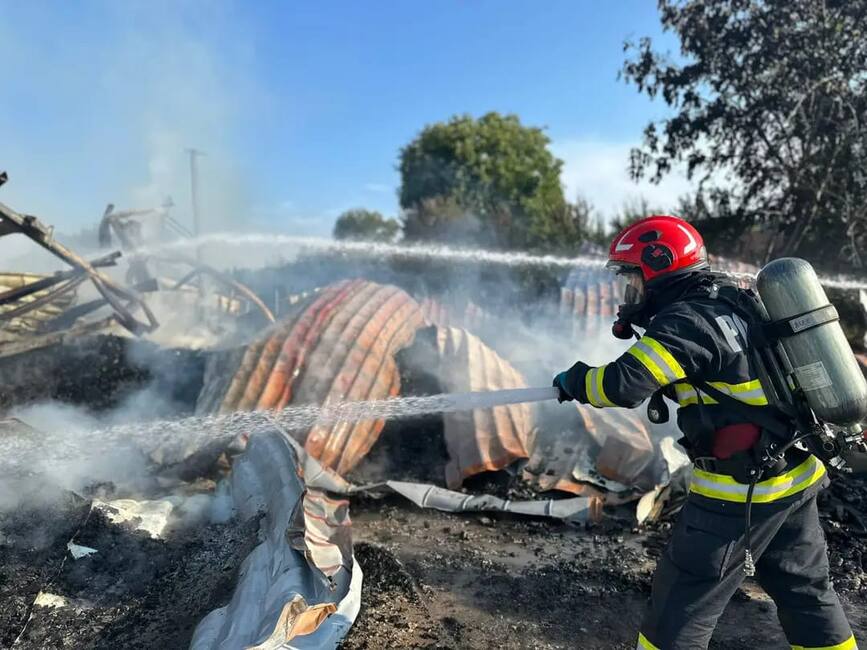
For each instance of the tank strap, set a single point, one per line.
(802, 322)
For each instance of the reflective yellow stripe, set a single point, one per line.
(748, 392)
(745, 387)
(651, 354)
(685, 393)
(648, 363)
(588, 386)
(594, 389)
(673, 365)
(848, 644)
(600, 389)
(644, 644)
(726, 488)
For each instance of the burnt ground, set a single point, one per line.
(432, 580)
(437, 580)
(136, 592)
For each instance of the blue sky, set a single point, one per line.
(301, 107)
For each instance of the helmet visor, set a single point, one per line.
(630, 286)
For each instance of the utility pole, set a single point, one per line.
(194, 195)
(194, 189)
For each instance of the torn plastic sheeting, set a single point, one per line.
(425, 495)
(46, 599)
(583, 450)
(151, 517)
(585, 471)
(77, 552)
(627, 458)
(284, 597)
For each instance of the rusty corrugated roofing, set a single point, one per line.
(484, 439)
(338, 346)
(469, 315)
(590, 292)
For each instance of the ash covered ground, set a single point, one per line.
(435, 580)
(135, 592)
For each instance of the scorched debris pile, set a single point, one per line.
(254, 543)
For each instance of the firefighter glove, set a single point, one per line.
(559, 383)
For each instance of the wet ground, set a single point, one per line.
(436, 580)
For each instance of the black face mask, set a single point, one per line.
(658, 294)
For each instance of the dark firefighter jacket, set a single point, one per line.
(688, 341)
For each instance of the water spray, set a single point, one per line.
(22, 452)
(379, 249)
(426, 251)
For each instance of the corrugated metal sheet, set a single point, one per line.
(338, 346)
(29, 323)
(484, 439)
(590, 292)
(469, 315)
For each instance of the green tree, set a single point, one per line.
(633, 209)
(490, 181)
(365, 225)
(773, 95)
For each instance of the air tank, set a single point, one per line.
(822, 361)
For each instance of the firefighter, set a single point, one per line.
(694, 338)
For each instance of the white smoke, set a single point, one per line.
(124, 107)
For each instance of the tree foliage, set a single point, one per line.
(490, 181)
(632, 210)
(365, 225)
(771, 94)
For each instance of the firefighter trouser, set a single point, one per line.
(703, 566)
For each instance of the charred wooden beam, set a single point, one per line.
(17, 293)
(121, 300)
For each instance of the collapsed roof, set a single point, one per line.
(38, 310)
(339, 346)
(342, 344)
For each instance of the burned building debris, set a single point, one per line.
(253, 545)
(337, 346)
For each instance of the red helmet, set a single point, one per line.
(658, 245)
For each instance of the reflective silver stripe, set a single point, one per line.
(669, 373)
(750, 392)
(593, 386)
(590, 387)
(687, 394)
(720, 486)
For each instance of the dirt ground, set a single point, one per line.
(437, 580)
